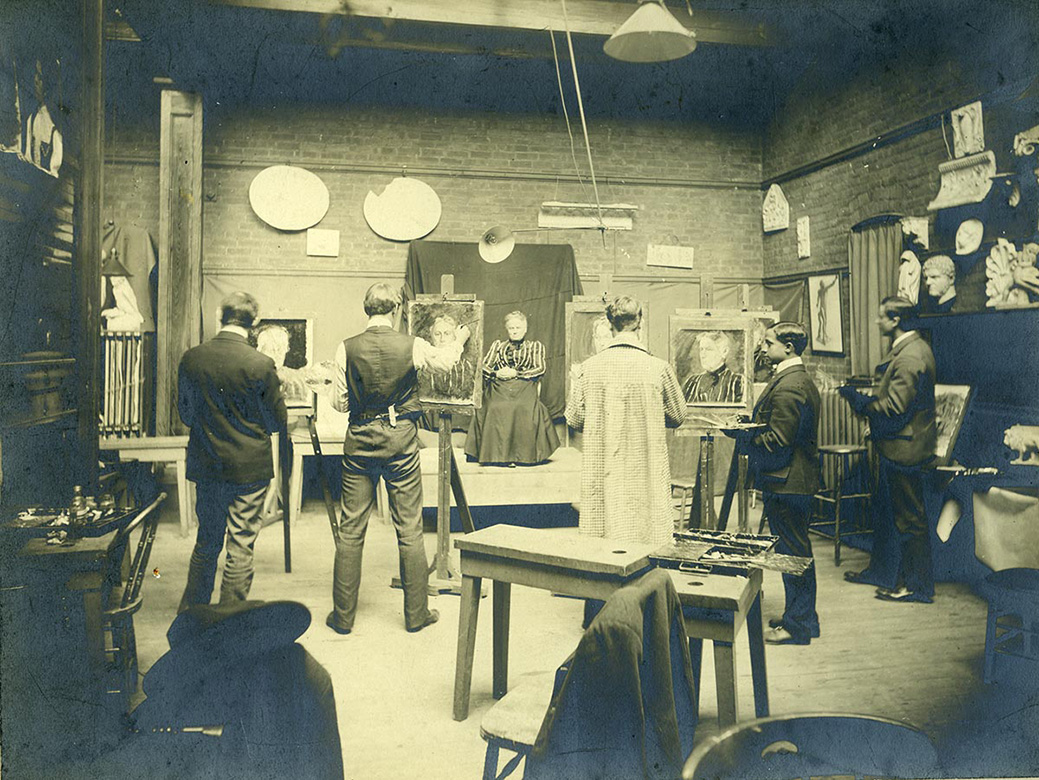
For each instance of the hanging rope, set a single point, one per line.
(566, 114)
(580, 108)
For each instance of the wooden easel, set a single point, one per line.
(449, 481)
(702, 506)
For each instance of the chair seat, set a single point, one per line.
(841, 449)
(514, 721)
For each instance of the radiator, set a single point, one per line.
(837, 425)
(122, 406)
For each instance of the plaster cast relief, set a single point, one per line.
(775, 211)
(969, 235)
(967, 180)
(1012, 275)
(1025, 143)
(909, 276)
(917, 229)
(968, 135)
(804, 241)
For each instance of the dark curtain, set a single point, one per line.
(873, 249)
(535, 279)
(787, 298)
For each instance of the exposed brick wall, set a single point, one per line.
(822, 119)
(721, 222)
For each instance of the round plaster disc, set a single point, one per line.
(407, 209)
(968, 236)
(288, 198)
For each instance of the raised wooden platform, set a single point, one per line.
(556, 482)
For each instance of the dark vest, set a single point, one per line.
(380, 372)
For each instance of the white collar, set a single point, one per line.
(902, 338)
(379, 321)
(236, 329)
(628, 338)
(783, 365)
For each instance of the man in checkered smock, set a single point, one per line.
(624, 399)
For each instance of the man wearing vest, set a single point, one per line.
(785, 462)
(376, 383)
(901, 414)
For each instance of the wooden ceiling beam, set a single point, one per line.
(591, 17)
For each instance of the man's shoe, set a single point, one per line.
(859, 578)
(778, 623)
(780, 636)
(330, 621)
(903, 595)
(431, 618)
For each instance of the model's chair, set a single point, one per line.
(124, 600)
(1012, 628)
(816, 745)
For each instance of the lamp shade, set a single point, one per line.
(651, 34)
(497, 244)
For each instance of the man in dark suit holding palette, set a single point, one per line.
(784, 459)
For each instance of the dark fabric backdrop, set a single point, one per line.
(537, 279)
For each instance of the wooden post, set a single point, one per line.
(179, 325)
(706, 291)
(88, 201)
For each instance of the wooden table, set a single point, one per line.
(568, 563)
(159, 449)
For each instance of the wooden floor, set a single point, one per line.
(918, 663)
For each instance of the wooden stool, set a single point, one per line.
(844, 455)
(688, 491)
(1012, 628)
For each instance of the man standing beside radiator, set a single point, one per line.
(902, 425)
(784, 459)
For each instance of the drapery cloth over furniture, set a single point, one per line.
(873, 249)
(787, 298)
(535, 279)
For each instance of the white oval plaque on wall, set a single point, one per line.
(406, 210)
(288, 198)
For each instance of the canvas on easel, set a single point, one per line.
(713, 360)
(436, 318)
(588, 332)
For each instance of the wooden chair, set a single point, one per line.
(815, 745)
(514, 721)
(1012, 627)
(124, 600)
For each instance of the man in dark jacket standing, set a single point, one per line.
(904, 431)
(230, 397)
(375, 382)
(785, 461)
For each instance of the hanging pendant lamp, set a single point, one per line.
(651, 34)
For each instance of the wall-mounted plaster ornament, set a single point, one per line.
(1013, 276)
(406, 210)
(804, 241)
(288, 198)
(968, 134)
(909, 276)
(969, 235)
(775, 211)
(967, 180)
(917, 229)
(1026, 143)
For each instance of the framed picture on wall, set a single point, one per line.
(289, 342)
(713, 359)
(824, 314)
(588, 332)
(950, 408)
(437, 321)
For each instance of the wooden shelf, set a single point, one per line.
(39, 362)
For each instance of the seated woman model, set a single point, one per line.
(512, 426)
